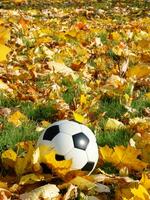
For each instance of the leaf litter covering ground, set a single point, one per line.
(74, 55)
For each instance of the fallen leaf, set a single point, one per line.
(61, 68)
(113, 124)
(145, 180)
(139, 71)
(100, 188)
(5, 194)
(4, 35)
(78, 117)
(47, 192)
(9, 158)
(59, 167)
(24, 164)
(3, 86)
(140, 193)
(72, 193)
(121, 156)
(4, 51)
(82, 183)
(17, 118)
(30, 179)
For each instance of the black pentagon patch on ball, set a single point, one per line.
(80, 141)
(88, 167)
(59, 157)
(51, 132)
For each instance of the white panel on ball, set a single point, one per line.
(63, 143)
(70, 127)
(92, 152)
(79, 158)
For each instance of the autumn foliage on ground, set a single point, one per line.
(82, 60)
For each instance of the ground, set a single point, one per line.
(81, 60)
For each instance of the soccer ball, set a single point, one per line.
(72, 140)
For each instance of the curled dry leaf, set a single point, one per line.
(82, 183)
(72, 193)
(47, 192)
(30, 179)
(5, 194)
(113, 124)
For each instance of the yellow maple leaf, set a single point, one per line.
(78, 117)
(116, 36)
(8, 158)
(4, 50)
(83, 99)
(24, 164)
(30, 179)
(145, 180)
(146, 153)
(121, 156)
(4, 35)
(59, 167)
(139, 71)
(1, 21)
(17, 118)
(140, 193)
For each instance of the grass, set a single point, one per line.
(114, 138)
(112, 107)
(10, 135)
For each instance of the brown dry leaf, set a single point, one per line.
(72, 193)
(5, 194)
(47, 192)
(5, 111)
(121, 156)
(23, 22)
